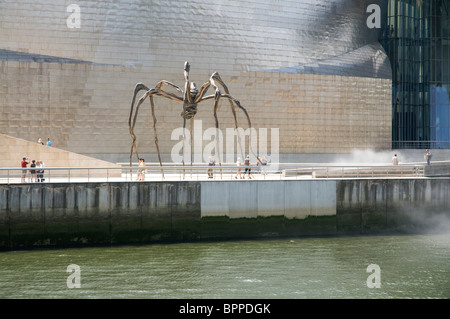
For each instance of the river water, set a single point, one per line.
(409, 266)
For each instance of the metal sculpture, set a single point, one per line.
(190, 97)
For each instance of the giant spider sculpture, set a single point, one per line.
(190, 97)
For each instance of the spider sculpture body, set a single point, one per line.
(191, 96)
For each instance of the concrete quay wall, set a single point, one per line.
(82, 214)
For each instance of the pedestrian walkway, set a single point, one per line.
(219, 173)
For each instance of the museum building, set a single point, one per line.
(327, 76)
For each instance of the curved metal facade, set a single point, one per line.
(230, 35)
(296, 65)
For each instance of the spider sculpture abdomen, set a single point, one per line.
(189, 112)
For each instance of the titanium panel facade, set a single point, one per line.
(312, 69)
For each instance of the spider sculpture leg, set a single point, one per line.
(189, 95)
(200, 97)
(216, 77)
(184, 140)
(191, 127)
(137, 89)
(231, 99)
(156, 134)
(132, 119)
(214, 81)
(238, 104)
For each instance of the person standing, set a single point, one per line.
(24, 164)
(264, 163)
(141, 170)
(247, 167)
(49, 143)
(428, 156)
(395, 160)
(238, 164)
(40, 172)
(210, 170)
(264, 160)
(33, 171)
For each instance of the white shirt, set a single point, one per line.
(395, 160)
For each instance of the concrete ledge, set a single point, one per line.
(80, 214)
(437, 169)
(251, 199)
(400, 205)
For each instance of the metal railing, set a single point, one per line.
(420, 144)
(346, 171)
(177, 172)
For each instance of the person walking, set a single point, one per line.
(428, 156)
